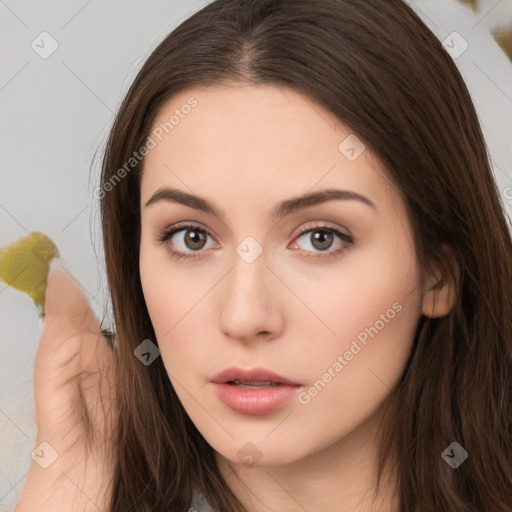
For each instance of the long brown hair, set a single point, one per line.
(377, 67)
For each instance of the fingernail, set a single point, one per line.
(56, 264)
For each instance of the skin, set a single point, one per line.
(74, 379)
(245, 149)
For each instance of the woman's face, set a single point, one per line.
(265, 282)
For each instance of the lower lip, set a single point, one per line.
(254, 401)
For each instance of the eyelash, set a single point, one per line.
(167, 233)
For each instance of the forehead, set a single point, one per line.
(264, 141)
(261, 121)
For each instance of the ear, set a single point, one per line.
(439, 292)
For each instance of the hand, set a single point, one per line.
(76, 410)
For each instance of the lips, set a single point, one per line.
(259, 377)
(253, 391)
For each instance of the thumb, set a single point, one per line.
(66, 303)
(71, 343)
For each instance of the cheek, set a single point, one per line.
(383, 299)
(373, 314)
(372, 286)
(175, 297)
(161, 292)
(168, 291)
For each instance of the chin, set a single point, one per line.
(259, 454)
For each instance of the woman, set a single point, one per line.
(343, 344)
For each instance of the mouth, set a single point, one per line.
(253, 378)
(255, 391)
(253, 385)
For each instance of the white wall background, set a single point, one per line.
(56, 112)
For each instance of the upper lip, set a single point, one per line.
(257, 374)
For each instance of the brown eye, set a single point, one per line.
(185, 240)
(321, 240)
(194, 239)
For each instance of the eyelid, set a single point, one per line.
(346, 238)
(169, 231)
(304, 228)
(319, 224)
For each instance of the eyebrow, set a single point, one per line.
(282, 209)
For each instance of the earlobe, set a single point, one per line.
(439, 290)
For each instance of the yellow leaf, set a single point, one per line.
(24, 265)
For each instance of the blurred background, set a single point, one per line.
(58, 101)
(498, 19)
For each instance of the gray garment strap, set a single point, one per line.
(199, 503)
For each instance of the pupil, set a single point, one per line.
(324, 238)
(195, 238)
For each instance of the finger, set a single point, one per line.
(65, 301)
(71, 333)
(73, 356)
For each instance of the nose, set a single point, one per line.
(249, 299)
